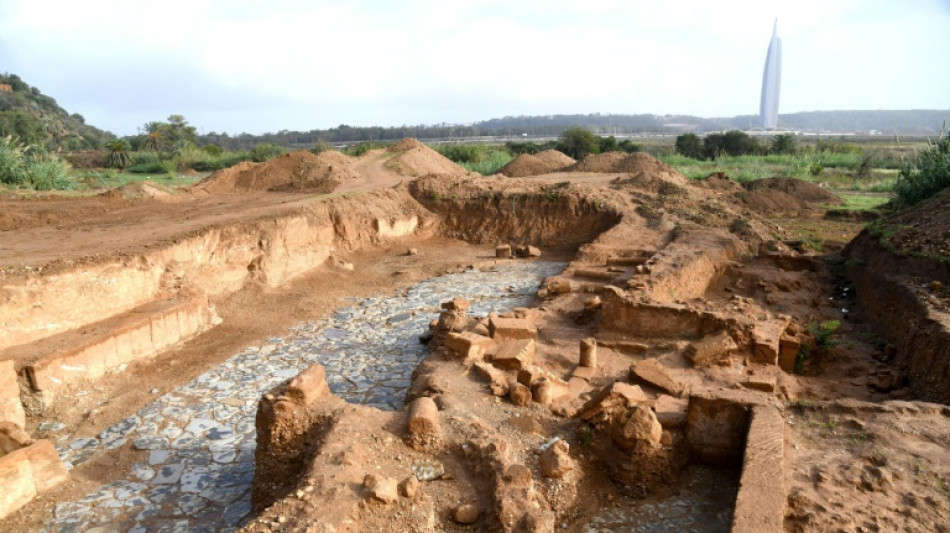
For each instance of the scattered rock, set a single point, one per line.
(519, 394)
(409, 487)
(498, 382)
(556, 461)
(513, 355)
(711, 350)
(638, 430)
(503, 251)
(428, 469)
(612, 401)
(511, 329)
(381, 488)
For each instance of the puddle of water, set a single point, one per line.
(200, 437)
(702, 504)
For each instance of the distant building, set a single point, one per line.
(771, 82)
(6, 88)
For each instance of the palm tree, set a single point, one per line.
(783, 144)
(118, 156)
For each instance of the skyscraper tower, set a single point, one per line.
(771, 82)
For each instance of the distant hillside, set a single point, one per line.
(37, 119)
(909, 122)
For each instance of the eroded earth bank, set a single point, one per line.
(629, 351)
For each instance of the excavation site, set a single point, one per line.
(326, 343)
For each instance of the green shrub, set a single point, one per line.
(464, 153)
(689, 145)
(359, 149)
(926, 176)
(13, 169)
(579, 142)
(48, 173)
(264, 151)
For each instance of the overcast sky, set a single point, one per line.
(259, 66)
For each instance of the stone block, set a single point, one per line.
(308, 385)
(513, 355)
(670, 411)
(711, 350)
(760, 503)
(11, 409)
(12, 438)
(503, 251)
(27, 472)
(789, 346)
(761, 383)
(638, 430)
(766, 336)
(497, 380)
(469, 344)
(557, 285)
(511, 329)
(48, 469)
(653, 373)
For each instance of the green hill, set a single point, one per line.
(37, 119)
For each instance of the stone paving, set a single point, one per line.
(703, 504)
(200, 437)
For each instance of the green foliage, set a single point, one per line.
(264, 151)
(118, 154)
(628, 146)
(172, 135)
(320, 146)
(731, 143)
(492, 162)
(31, 166)
(783, 144)
(822, 333)
(359, 149)
(212, 149)
(689, 145)
(926, 176)
(464, 153)
(816, 168)
(608, 144)
(579, 142)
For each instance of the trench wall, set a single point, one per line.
(217, 261)
(536, 216)
(920, 334)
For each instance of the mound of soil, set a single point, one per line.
(405, 144)
(420, 160)
(294, 172)
(556, 159)
(786, 195)
(606, 162)
(525, 165)
(923, 230)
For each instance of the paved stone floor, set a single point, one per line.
(703, 504)
(200, 437)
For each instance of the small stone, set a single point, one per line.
(381, 488)
(428, 469)
(409, 487)
(412, 251)
(519, 394)
(555, 460)
(503, 251)
(465, 514)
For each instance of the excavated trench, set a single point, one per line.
(200, 438)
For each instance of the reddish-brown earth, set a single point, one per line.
(697, 301)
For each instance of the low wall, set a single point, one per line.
(27, 473)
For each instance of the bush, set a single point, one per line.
(464, 153)
(264, 151)
(578, 142)
(13, 169)
(926, 176)
(31, 166)
(689, 145)
(49, 173)
(359, 149)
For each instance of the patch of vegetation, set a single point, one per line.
(823, 340)
(928, 175)
(31, 166)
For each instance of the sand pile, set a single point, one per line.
(137, 189)
(606, 162)
(557, 160)
(297, 171)
(525, 165)
(786, 195)
(415, 159)
(405, 144)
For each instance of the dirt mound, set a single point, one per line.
(525, 165)
(606, 162)
(786, 195)
(555, 158)
(720, 182)
(294, 172)
(924, 229)
(421, 160)
(405, 144)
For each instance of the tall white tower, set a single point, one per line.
(771, 82)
